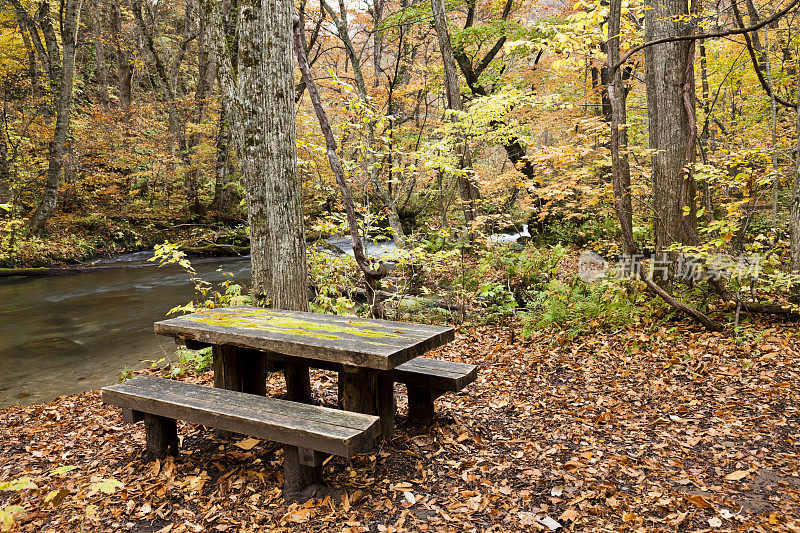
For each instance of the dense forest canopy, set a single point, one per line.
(675, 133)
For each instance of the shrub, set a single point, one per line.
(525, 273)
(192, 361)
(580, 308)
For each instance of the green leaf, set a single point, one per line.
(8, 516)
(23, 483)
(106, 486)
(62, 470)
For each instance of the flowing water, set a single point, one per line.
(66, 334)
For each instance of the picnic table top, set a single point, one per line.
(348, 340)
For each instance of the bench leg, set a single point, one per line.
(420, 405)
(300, 481)
(162, 436)
(387, 407)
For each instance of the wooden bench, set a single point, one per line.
(427, 379)
(308, 433)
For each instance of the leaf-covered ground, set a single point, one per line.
(670, 430)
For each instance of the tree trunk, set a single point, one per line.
(340, 20)
(100, 55)
(219, 29)
(268, 154)
(371, 276)
(226, 197)
(620, 165)
(51, 43)
(123, 59)
(466, 188)
(776, 181)
(5, 170)
(33, 70)
(176, 120)
(794, 216)
(69, 28)
(669, 74)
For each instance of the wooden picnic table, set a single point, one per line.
(248, 341)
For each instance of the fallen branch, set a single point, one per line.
(216, 249)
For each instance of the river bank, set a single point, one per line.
(74, 239)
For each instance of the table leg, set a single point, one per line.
(358, 390)
(239, 370)
(298, 383)
(387, 407)
(367, 391)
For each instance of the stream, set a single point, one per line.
(70, 333)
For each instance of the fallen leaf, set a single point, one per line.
(699, 501)
(738, 475)
(549, 522)
(55, 497)
(569, 515)
(247, 444)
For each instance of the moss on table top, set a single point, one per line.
(275, 322)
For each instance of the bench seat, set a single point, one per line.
(309, 433)
(427, 379)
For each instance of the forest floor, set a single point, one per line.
(672, 429)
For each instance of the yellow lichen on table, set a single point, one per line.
(275, 322)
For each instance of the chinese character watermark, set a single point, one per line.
(681, 267)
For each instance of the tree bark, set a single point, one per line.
(100, 54)
(226, 197)
(56, 150)
(794, 214)
(669, 74)
(619, 130)
(466, 188)
(268, 154)
(124, 62)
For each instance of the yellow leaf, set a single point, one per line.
(247, 444)
(55, 497)
(738, 475)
